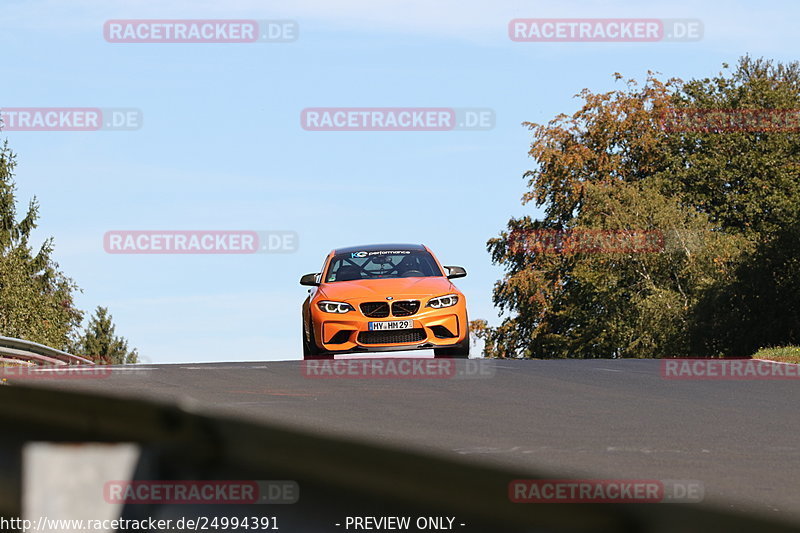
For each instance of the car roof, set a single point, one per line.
(379, 247)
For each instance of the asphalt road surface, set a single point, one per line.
(581, 418)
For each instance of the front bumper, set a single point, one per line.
(433, 328)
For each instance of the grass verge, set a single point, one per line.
(784, 354)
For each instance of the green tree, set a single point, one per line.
(36, 298)
(747, 181)
(100, 343)
(612, 165)
(759, 307)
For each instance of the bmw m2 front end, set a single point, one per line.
(382, 298)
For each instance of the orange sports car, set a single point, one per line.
(384, 297)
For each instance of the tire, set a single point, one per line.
(460, 350)
(310, 348)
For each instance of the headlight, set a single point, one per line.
(334, 307)
(443, 301)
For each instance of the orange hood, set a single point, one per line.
(399, 288)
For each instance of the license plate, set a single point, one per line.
(390, 325)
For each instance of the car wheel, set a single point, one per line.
(460, 350)
(310, 348)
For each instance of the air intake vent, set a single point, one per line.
(441, 332)
(341, 337)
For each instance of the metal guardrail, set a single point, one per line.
(19, 350)
(337, 476)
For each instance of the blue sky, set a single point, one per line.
(221, 146)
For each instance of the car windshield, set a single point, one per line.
(382, 264)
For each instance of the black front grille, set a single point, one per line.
(405, 308)
(391, 337)
(375, 309)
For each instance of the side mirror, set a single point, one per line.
(310, 279)
(455, 272)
